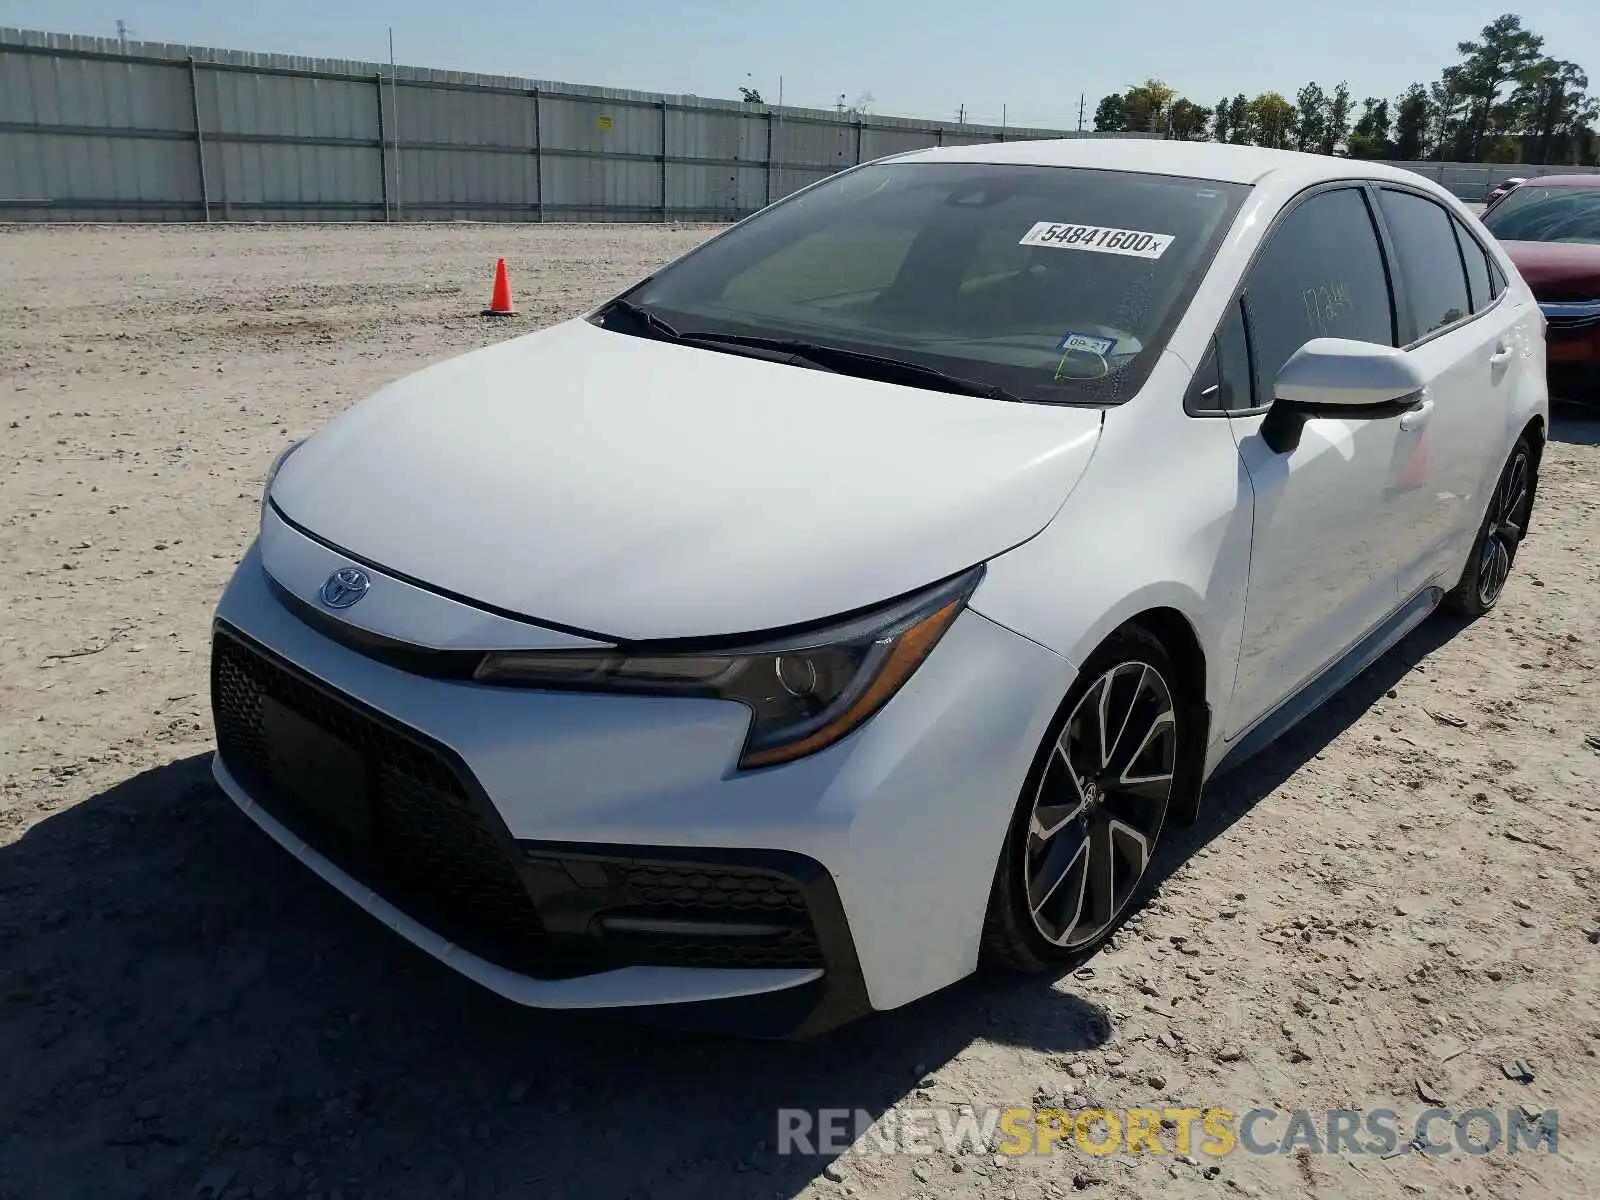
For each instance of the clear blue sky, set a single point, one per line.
(916, 59)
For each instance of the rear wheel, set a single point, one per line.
(1504, 524)
(1094, 806)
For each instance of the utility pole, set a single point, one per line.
(1081, 99)
(961, 117)
(122, 34)
(1002, 120)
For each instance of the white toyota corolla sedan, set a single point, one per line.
(858, 598)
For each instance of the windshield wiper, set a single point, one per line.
(647, 317)
(826, 358)
(858, 362)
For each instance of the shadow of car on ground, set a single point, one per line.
(1575, 423)
(182, 1004)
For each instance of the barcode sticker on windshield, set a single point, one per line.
(1099, 239)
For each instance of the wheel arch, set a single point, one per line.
(1199, 631)
(1166, 614)
(1179, 641)
(1537, 435)
(1178, 636)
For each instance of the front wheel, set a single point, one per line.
(1505, 523)
(1093, 808)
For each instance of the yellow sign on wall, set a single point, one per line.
(603, 122)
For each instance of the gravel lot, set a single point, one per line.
(1387, 908)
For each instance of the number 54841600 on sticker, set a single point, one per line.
(1100, 239)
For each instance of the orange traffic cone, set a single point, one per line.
(500, 301)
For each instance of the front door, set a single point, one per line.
(1323, 561)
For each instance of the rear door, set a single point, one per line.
(1325, 543)
(1463, 337)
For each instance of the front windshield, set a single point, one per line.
(1547, 214)
(1052, 283)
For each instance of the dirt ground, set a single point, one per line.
(1385, 910)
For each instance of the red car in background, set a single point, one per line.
(1550, 227)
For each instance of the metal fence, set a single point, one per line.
(94, 130)
(91, 130)
(1472, 181)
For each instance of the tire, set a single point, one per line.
(1494, 549)
(1076, 854)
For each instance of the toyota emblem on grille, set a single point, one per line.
(344, 587)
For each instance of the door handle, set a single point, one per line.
(1416, 418)
(1501, 355)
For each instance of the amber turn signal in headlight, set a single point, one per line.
(805, 690)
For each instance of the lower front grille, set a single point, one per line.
(679, 914)
(404, 817)
(425, 845)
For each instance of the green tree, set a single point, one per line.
(1111, 114)
(1503, 53)
(1449, 132)
(1147, 105)
(1220, 116)
(1311, 114)
(1503, 150)
(1273, 118)
(1553, 101)
(1241, 121)
(1187, 120)
(1336, 125)
(1586, 145)
(1411, 117)
(1370, 136)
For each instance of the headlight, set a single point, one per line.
(804, 691)
(277, 465)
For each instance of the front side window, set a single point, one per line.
(1547, 214)
(1321, 274)
(1430, 260)
(1223, 382)
(1056, 284)
(1233, 360)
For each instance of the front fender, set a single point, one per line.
(1162, 519)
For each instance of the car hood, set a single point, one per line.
(636, 489)
(1558, 268)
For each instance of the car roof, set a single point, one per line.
(1564, 181)
(1220, 161)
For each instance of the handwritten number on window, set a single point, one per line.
(1327, 304)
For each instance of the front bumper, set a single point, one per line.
(1572, 332)
(578, 851)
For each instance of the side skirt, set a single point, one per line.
(1334, 678)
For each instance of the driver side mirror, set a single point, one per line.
(1337, 377)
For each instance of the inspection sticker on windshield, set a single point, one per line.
(1086, 343)
(1100, 239)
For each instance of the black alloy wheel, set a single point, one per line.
(1093, 810)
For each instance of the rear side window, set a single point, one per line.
(1497, 277)
(1320, 275)
(1477, 260)
(1430, 261)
